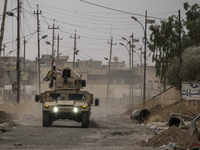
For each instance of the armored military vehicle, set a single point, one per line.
(66, 100)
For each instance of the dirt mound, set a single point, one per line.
(5, 117)
(172, 108)
(174, 135)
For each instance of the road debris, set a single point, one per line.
(5, 117)
(17, 144)
(171, 135)
(170, 145)
(140, 115)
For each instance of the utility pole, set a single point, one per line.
(141, 69)
(24, 90)
(18, 51)
(38, 37)
(111, 44)
(2, 25)
(132, 70)
(24, 53)
(53, 37)
(145, 46)
(58, 48)
(132, 73)
(75, 51)
(180, 61)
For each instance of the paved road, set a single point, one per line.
(108, 131)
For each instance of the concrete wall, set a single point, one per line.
(171, 94)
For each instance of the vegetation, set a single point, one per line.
(164, 44)
(190, 67)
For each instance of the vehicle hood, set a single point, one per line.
(65, 102)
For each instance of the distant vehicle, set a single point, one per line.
(66, 101)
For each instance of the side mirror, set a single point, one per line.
(96, 102)
(37, 98)
(83, 82)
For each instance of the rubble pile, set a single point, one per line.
(172, 135)
(5, 117)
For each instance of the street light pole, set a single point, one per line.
(129, 53)
(145, 41)
(132, 46)
(141, 68)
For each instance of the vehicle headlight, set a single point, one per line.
(75, 109)
(55, 109)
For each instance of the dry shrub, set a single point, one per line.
(155, 118)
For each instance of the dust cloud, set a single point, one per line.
(25, 112)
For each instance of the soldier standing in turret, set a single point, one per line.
(53, 65)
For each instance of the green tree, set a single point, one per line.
(164, 45)
(164, 41)
(190, 67)
(192, 24)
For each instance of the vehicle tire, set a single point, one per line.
(85, 119)
(46, 119)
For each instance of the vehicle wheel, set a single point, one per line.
(46, 119)
(85, 119)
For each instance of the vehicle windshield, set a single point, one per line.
(76, 97)
(56, 96)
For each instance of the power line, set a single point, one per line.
(21, 37)
(120, 10)
(88, 28)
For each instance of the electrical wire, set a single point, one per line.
(120, 10)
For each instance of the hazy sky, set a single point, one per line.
(95, 25)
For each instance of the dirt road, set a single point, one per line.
(109, 130)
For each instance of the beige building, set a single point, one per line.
(97, 80)
(96, 77)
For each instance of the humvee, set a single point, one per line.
(67, 100)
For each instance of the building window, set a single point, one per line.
(156, 81)
(150, 81)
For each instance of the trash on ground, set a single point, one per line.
(17, 144)
(170, 145)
